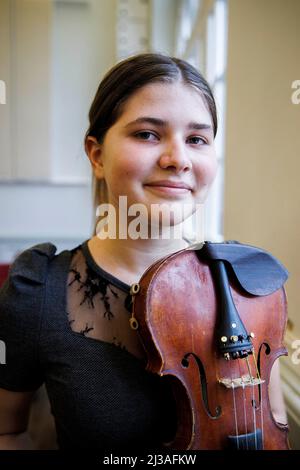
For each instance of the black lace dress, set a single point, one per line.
(64, 322)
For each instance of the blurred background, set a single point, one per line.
(53, 54)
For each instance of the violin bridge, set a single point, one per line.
(244, 381)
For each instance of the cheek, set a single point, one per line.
(129, 168)
(206, 171)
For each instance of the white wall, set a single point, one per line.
(31, 22)
(83, 47)
(54, 55)
(5, 112)
(163, 24)
(31, 214)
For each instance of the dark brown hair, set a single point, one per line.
(124, 79)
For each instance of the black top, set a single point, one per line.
(64, 322)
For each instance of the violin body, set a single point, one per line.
(222, 402)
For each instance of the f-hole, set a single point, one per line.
(259, 357)
(185, 363)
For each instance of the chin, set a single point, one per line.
(169, 219)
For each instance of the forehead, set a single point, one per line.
(177, 100)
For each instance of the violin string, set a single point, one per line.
(254, 416)
(261, 415)
(245, 415)
(261, 399)
(244, 405)
(235, 415)
(253, 401)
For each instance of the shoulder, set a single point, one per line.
(32, 264)
(23, 289)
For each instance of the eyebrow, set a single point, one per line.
(161, 123)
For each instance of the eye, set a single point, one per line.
(196, 140)
(146, 135)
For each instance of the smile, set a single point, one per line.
(168, 189)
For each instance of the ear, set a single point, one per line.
(94, 152)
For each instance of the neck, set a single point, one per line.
(127, 259)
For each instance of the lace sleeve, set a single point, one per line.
(99, 309)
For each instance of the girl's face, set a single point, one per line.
(160, 150)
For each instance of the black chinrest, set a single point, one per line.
(257, 271)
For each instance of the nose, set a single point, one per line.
(174, 157)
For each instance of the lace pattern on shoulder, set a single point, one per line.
(97, 309)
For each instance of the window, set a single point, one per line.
(202, 41)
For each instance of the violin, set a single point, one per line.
(212, 321)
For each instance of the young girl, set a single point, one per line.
(65, 318)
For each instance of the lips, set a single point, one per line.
(170, 184)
